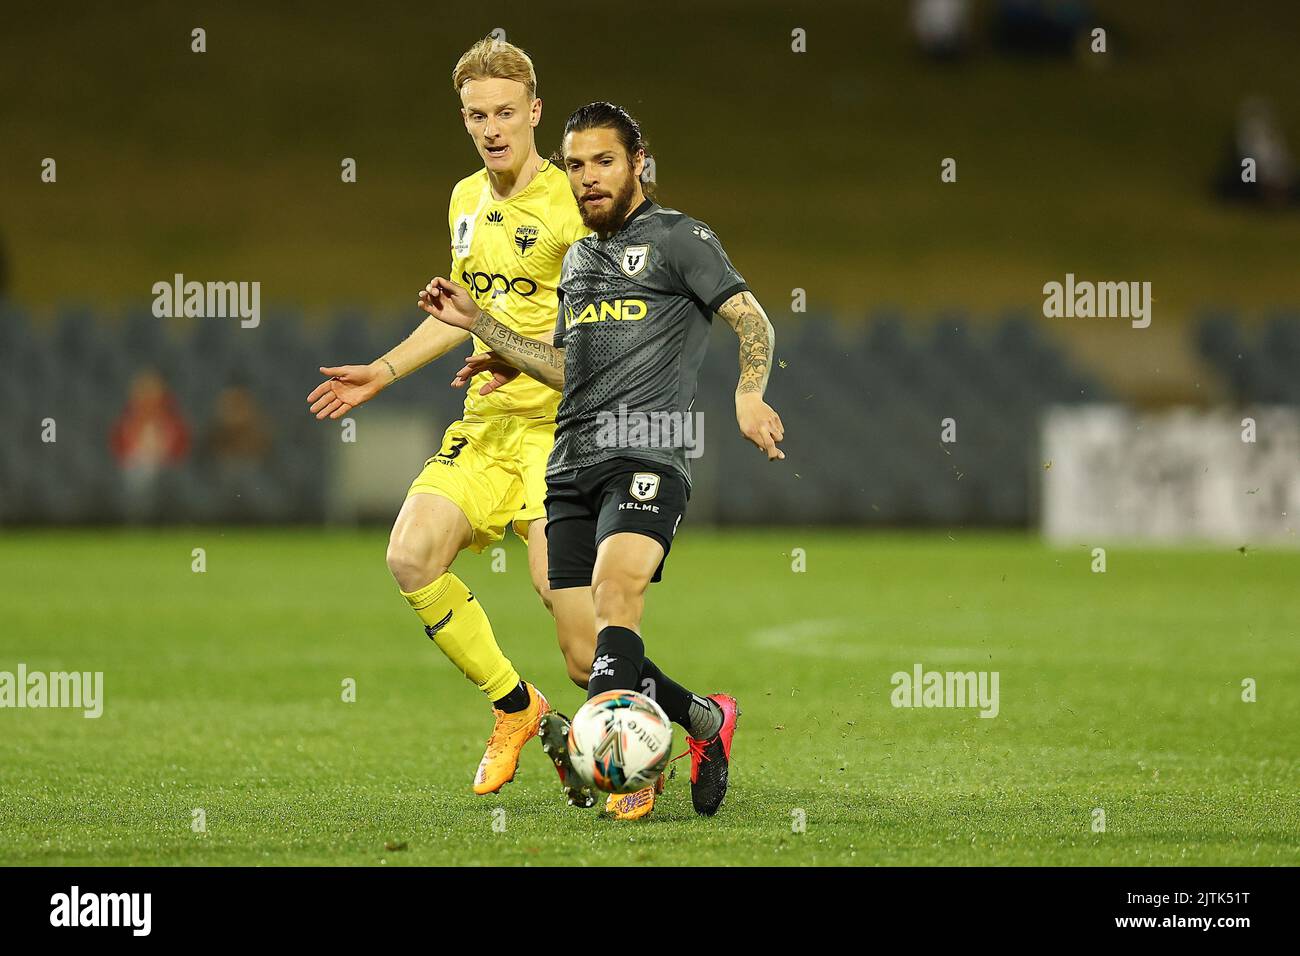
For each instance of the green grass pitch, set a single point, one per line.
(1120, 691)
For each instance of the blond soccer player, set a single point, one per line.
(511, 224)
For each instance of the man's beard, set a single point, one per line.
(607, 220)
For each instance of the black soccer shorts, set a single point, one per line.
(586, 505)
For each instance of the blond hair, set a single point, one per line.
(493, 59)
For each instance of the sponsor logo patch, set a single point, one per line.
(463, 234)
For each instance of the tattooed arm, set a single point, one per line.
(538, 359)
(449, 303)
(758, 421)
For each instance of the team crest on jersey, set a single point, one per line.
(645, 485)
(463, 234)
(634, 259)
(525, 239)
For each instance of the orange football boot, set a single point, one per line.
(635, 805)
(511, 732)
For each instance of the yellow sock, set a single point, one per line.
(456, 622)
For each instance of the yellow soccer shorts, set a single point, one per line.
(494, 470)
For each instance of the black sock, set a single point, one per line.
(670, 695)
(515, 701)
(619, 653)
(700, 717)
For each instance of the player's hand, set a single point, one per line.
(347, 387)
(760, 423)
(449, 303)
(485, 362)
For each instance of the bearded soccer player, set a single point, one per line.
(636, 301)
(511, 224)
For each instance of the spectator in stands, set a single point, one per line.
(942, 27)
(149, 435)
(1047, 28)
(1259, 137)
(236, 446)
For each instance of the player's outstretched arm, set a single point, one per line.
(758, 421)
(431, 340)
(449, 303)
(348, 386)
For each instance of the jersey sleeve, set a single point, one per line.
(569, 227)
(563, 221)
(451, 236)
(558, 338)
(701, 265)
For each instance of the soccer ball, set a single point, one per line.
(619, 741)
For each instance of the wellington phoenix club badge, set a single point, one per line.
(525, 239)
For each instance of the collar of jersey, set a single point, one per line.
(641, 210)
(490, 200)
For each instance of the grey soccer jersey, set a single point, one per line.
(635, 311)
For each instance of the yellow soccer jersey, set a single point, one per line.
(508, 254)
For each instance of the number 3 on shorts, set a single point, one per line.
(457, 444)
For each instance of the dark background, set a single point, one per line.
(819, 170)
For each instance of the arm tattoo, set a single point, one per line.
(391, 370)
(540, 360)
(757, 340)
